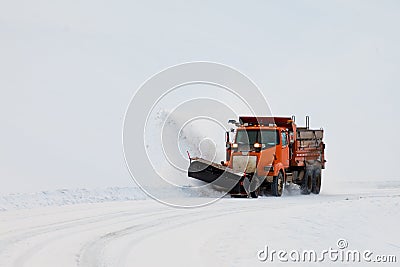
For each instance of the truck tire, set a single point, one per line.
(316, 184)
(255, 193)
(278, 184)
(255, 185)
(306, 185)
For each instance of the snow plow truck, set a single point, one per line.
(265, 154)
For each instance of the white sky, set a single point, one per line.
(69, 68)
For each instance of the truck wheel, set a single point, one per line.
(316, 185)
(306, 185)
(255, 193)
(278, 185)
(255, 185)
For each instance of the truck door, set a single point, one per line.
(285, 149)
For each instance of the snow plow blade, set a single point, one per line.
(217, 174)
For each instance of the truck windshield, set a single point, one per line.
(265, 137)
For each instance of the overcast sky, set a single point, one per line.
(69, 68)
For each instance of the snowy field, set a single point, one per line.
(69, 70)
(123, 227)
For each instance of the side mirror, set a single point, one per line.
(291, 138)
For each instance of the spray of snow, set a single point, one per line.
(169, 138)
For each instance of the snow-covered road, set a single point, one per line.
(229, 232)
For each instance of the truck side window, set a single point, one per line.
(284, 139)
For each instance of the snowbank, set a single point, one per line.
(78, 196)
(68, 196)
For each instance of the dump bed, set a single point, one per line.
(308, 147)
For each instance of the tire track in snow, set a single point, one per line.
(93, 254)
(24, 236)
(132, 226)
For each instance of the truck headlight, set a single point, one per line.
(235, 147)
(257, 145)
